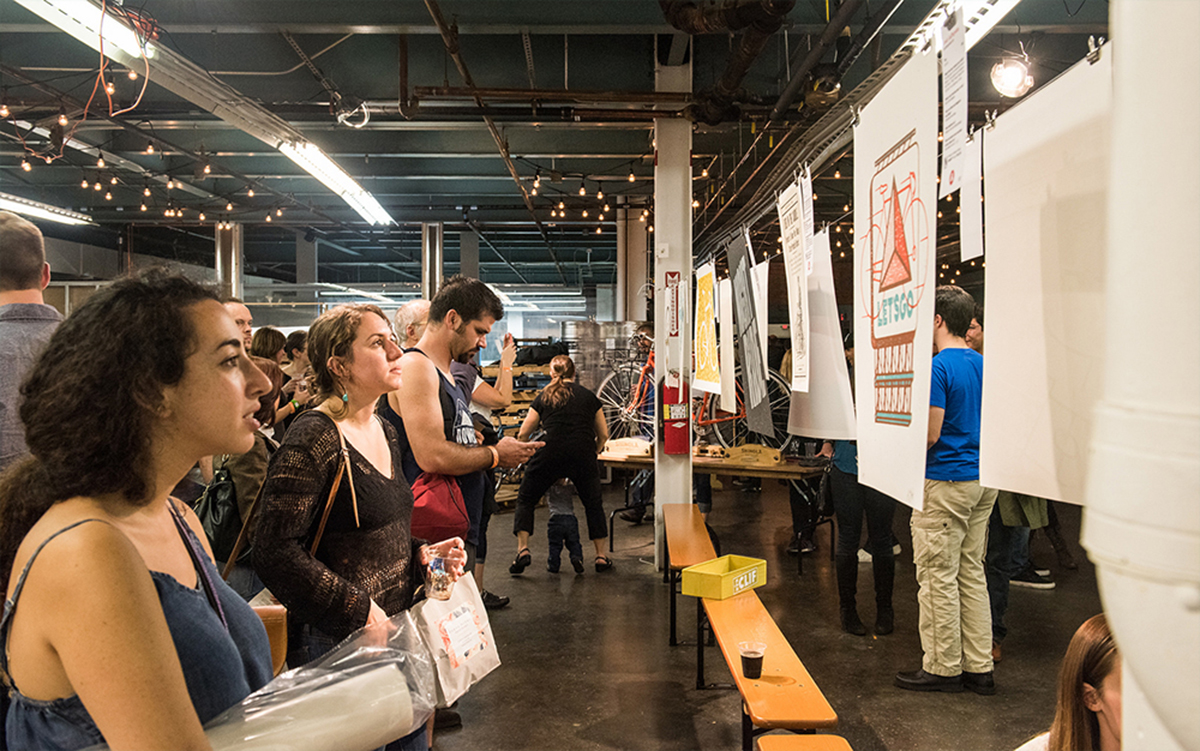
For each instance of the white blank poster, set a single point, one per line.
(1046, 164)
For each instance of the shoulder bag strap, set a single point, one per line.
(210, 589)
(343, 468)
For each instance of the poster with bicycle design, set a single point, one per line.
(895, 187)
(706, 363)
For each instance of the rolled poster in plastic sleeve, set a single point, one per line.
(375, 687)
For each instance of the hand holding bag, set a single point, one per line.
(459, 638)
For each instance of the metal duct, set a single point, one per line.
(842, 17)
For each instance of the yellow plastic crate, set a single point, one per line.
(724, 577)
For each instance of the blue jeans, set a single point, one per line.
(1007, 556)
(414, 741)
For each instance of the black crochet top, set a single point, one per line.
(353, 564)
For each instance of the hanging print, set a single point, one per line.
(707, 376)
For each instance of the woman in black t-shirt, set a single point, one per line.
(575, 433)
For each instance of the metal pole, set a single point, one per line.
(431, 259)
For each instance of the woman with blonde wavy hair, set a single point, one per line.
(573, 419)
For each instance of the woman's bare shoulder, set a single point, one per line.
(76, 541)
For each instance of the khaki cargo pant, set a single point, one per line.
(949, 542)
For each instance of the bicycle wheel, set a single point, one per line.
(628, 414)
(730, 430)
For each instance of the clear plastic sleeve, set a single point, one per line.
(373, 688)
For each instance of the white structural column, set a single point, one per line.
(672, 241)
(619, 298)
(229, 260)
(306, 264)
(1142, 519)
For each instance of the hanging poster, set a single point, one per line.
(953, 35)
(895, 200)
(727, 333)
(970, 200)
(1047, 167)
(806, 218)
(827, 410)
(754, 367)
(791, 228)
(762, 277)
(707, 375)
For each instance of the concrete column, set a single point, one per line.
(622, 256)
(637, 266)
(431, 259)
(306, 264)
(468, 254)
(229, 260)
(672, 289)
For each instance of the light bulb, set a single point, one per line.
(1011, 77)
(597, 230)
(100, 163)
(97, 186)
(207, 170)
(846, 207)
(533, 191)
(631, 177)
(84, 184)
(62, 119)
(113, 181)
(814, 196)
(704, 172)
(599, 195)
(939, 215)
(582, 190)
(561, 205)
(651, 228)
(268, 217)
(170, 184)
(229, 206)
(4, 111)
(109, 88)
(837, 174)
(108, 196)
(606, 209)
(202, 216)
(132, 74)
(25, 165)
(250, 192)
(537, 181)
(279, 211)
(143, 207)
(146, 191)
(149, 148)
(585, 213)
(642, 218)
(600, 218)
(695, 204)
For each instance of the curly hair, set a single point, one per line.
(332, 335)
(558, 392)
(111, 394)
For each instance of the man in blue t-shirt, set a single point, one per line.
(950, 533)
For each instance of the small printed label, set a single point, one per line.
(745, 581)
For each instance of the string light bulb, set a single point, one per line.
(600, 194)
(250, 192)
(704, 172)
(132, 74)
(202, 216)
(207, 170)
(170, 184)
(4, 112)
(62, 118)
(597, 230)
(695, 204)
(25, 165)
(97, 186)
(582, 189)
(837, 174)
(537, 180)
(279, 211)
(585, 214)
(606, 209)
(600, 218)
(268, 217)
(845, 207)
(113, 180)
(146, 191)
(108, 196)
(84, 183)
(533, 191)
(229, 206)
(631, 177)
(100, 163)
(561, 206)
(651, 228)
(143, 207)
(150, 148)
(109, 88)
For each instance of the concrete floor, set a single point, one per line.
(586, 663)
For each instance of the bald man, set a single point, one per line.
(241, 317)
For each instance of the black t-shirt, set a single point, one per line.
(570, 426)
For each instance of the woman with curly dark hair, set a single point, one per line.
(151, 643)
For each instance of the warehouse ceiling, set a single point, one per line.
(565, 88)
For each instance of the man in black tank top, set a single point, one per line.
(436, 414)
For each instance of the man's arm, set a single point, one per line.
(936, 416)
(422, 415)
(500, 395)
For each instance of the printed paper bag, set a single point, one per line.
(459, 638)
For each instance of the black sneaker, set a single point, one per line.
(444, 718)
(491, 601)
(633, 516)
(577, 564)
(808, 545)
(983, 684)
(793, 547)
(919, 680)
(1032, 580)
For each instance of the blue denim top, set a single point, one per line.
(221, 668)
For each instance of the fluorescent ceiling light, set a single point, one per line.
(40, 210)
(85, 21)
(982, 16)
(82, 20)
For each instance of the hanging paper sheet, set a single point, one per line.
(954, 102)
(728, 333)
(970, 200)
(791, 227)
(754, 366)
(707, 376)
(762, 278)
(895, 203)
(1047, 195)
(827, 410)
(806, 218)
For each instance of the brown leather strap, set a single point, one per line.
(343, 469)
(244, 535)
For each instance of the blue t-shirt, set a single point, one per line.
(845, 456)
(957, 387)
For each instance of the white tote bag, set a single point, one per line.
(459, 638)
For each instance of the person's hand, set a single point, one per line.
(452, 550)
(376, 616)
(826, 450)
(514, 453)
(508, 352)
(289, 388)
(479, 437)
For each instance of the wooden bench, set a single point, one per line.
(807, 742)
(688, 543)
(785, 697)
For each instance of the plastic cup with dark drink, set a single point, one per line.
(752, 658)
(438, 581)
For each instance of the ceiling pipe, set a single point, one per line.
(868, 34)
(760, 19)
(450, 39)
(832, 31)
(408, 108)
(574, 96)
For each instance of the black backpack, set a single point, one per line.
(218, 511)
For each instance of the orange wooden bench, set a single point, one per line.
(785, 697)
(688, 543)
(807, 742)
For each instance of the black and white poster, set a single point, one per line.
(754, 368)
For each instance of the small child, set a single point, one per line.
(563, 528)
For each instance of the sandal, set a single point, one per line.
(523, 559)
(603, 563)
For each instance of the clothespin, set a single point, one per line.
(854, 116)
(1093, 55)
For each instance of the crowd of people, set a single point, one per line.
(342, 442)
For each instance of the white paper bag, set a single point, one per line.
(459, 638)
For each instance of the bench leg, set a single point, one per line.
(611, 528)
(671, 583)
(747, 730)
(700, 685)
